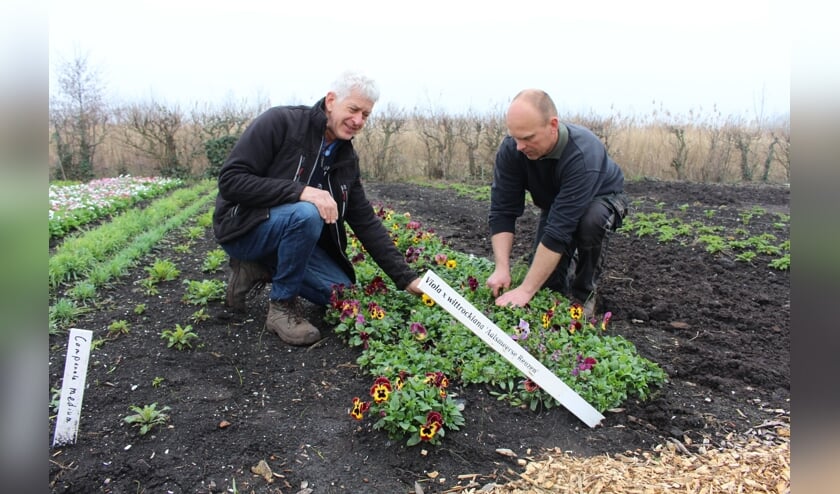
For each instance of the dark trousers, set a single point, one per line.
(576, 276)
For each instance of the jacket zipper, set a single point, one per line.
(299, 170)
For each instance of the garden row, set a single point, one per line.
(743, 235)
(87, 260)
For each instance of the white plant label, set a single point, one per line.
(451, 301)
(72, 387)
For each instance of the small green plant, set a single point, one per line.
(747, 216)
(118, 327)
(746, 256)
(139, 309)
(162, 270)
(762, 244)
(149, 286)
(205, 220)
(194, 232)
(63, 313)
(184, 248)
(214, 261)
(714, 243)
(509, 392)
(709, 213)
(147, 417)
(157, 381)
(202, 292)
(782, 263)
(84, 291)
(96, 343)
(200, 315)
(179, 337)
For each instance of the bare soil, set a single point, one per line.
(719, 327)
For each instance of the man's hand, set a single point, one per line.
(499, 281)
(322, 200)
(518, 297)
(414, 287)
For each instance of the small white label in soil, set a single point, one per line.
(501, 342)
(72, 387)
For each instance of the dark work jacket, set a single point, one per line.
(270, 164)
(563, 187)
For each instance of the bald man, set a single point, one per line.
(578, 188)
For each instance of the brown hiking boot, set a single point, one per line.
(245, 277)
(285, 317)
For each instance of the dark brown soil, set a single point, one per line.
(719, 327)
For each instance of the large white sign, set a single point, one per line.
(72, 387)
(484, 328)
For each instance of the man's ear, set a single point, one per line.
(329, 101)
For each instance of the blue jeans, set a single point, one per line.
(288, 242)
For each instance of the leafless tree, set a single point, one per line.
(743, 138)
(383, 132)
(152, 129)
(718, 150)
(78, 118)
(783, 156)
(746, 136)
(495, 130)
(437, 131)
(469, 129)
(680, 160)
(216, 129)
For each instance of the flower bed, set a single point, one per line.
(72, 206)
(402, 336)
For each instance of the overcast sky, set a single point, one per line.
(606, 57)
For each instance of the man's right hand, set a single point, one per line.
(322, 200)
(498, 282)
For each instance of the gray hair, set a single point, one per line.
(351, 80)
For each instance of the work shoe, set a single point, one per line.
(245, 277)
(589, 307)
(285, 317)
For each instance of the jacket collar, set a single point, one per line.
(318, 115)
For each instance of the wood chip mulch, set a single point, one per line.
(756, 462)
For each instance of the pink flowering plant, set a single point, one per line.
(75, 204)
(398, 332)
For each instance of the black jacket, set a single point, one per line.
(269, 166)
(564, 186)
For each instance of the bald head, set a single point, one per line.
(536, 100)
(532, 121)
